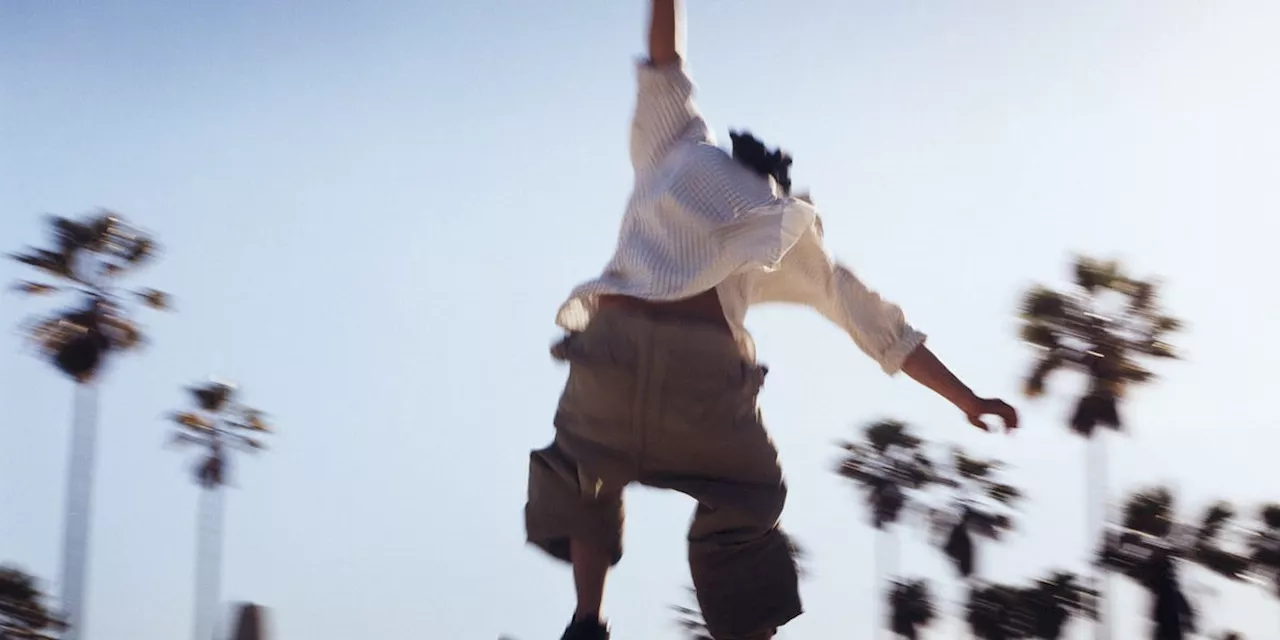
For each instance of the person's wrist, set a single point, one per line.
(970, 403)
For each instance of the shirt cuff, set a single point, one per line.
(673, 76)
(894, 357)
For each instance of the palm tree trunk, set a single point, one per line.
(1096, 458)
(887, 557)
(75, 536)
(208, 562)
(880, 609)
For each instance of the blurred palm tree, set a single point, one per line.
(888, 464)
(1101, 328)
(89, 259)
(250, 623)
(1048, 605)
(1149, 546)
(217, 424)
(989, 611)
(23, 614)
(979, 506)
(911, 608)
(1005, 612)
(1264, 549)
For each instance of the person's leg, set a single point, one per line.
(712, 446)
(591, 563)
(569, 520)
(575, 509)
(741, 562)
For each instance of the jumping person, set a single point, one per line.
(663, 379)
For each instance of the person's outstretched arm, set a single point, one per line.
(808, 275)
(665, 27)
(928, 370)
(665, 111)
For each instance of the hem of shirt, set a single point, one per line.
(797, 217)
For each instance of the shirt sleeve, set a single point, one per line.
(808, 275)
(665, 113)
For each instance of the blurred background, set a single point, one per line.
(366, 216)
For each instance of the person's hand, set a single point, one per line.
(992, 407)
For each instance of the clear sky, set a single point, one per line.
(370, 212)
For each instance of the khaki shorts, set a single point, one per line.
(670, 405)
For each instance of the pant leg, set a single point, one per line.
(576, 483)
(740, 559)
(567, 502)
(709, 442)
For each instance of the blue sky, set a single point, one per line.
(371, 212)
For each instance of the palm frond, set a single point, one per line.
(1270, 515)
(1092, 274)
(155, 299)
(23, 613)
(48, 262)
(213, 396)
(255, 420)
(1034, 385)
(1150, 512)
(1043, 305)
(191, 420)
(1005, 494)
(911, 608)
(971, 468)
(891, 433)
(35, 288)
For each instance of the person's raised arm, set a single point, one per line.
(665, 32)
(665, 111)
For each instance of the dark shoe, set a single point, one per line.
(586, 630)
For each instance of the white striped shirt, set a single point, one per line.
(698, 219)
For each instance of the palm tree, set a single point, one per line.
(1005, 612)
(1151, 544)
(23, 614)
(1264, 549)
(217, 424)
(1051, 602)
(887, 464)
(89, 259)
(250, 624)
(989, 611)
(911, 608)
(1100, 328)
(978, 506)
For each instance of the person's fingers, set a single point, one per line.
(1008, 414)
(977, 422)
(1011, 419)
